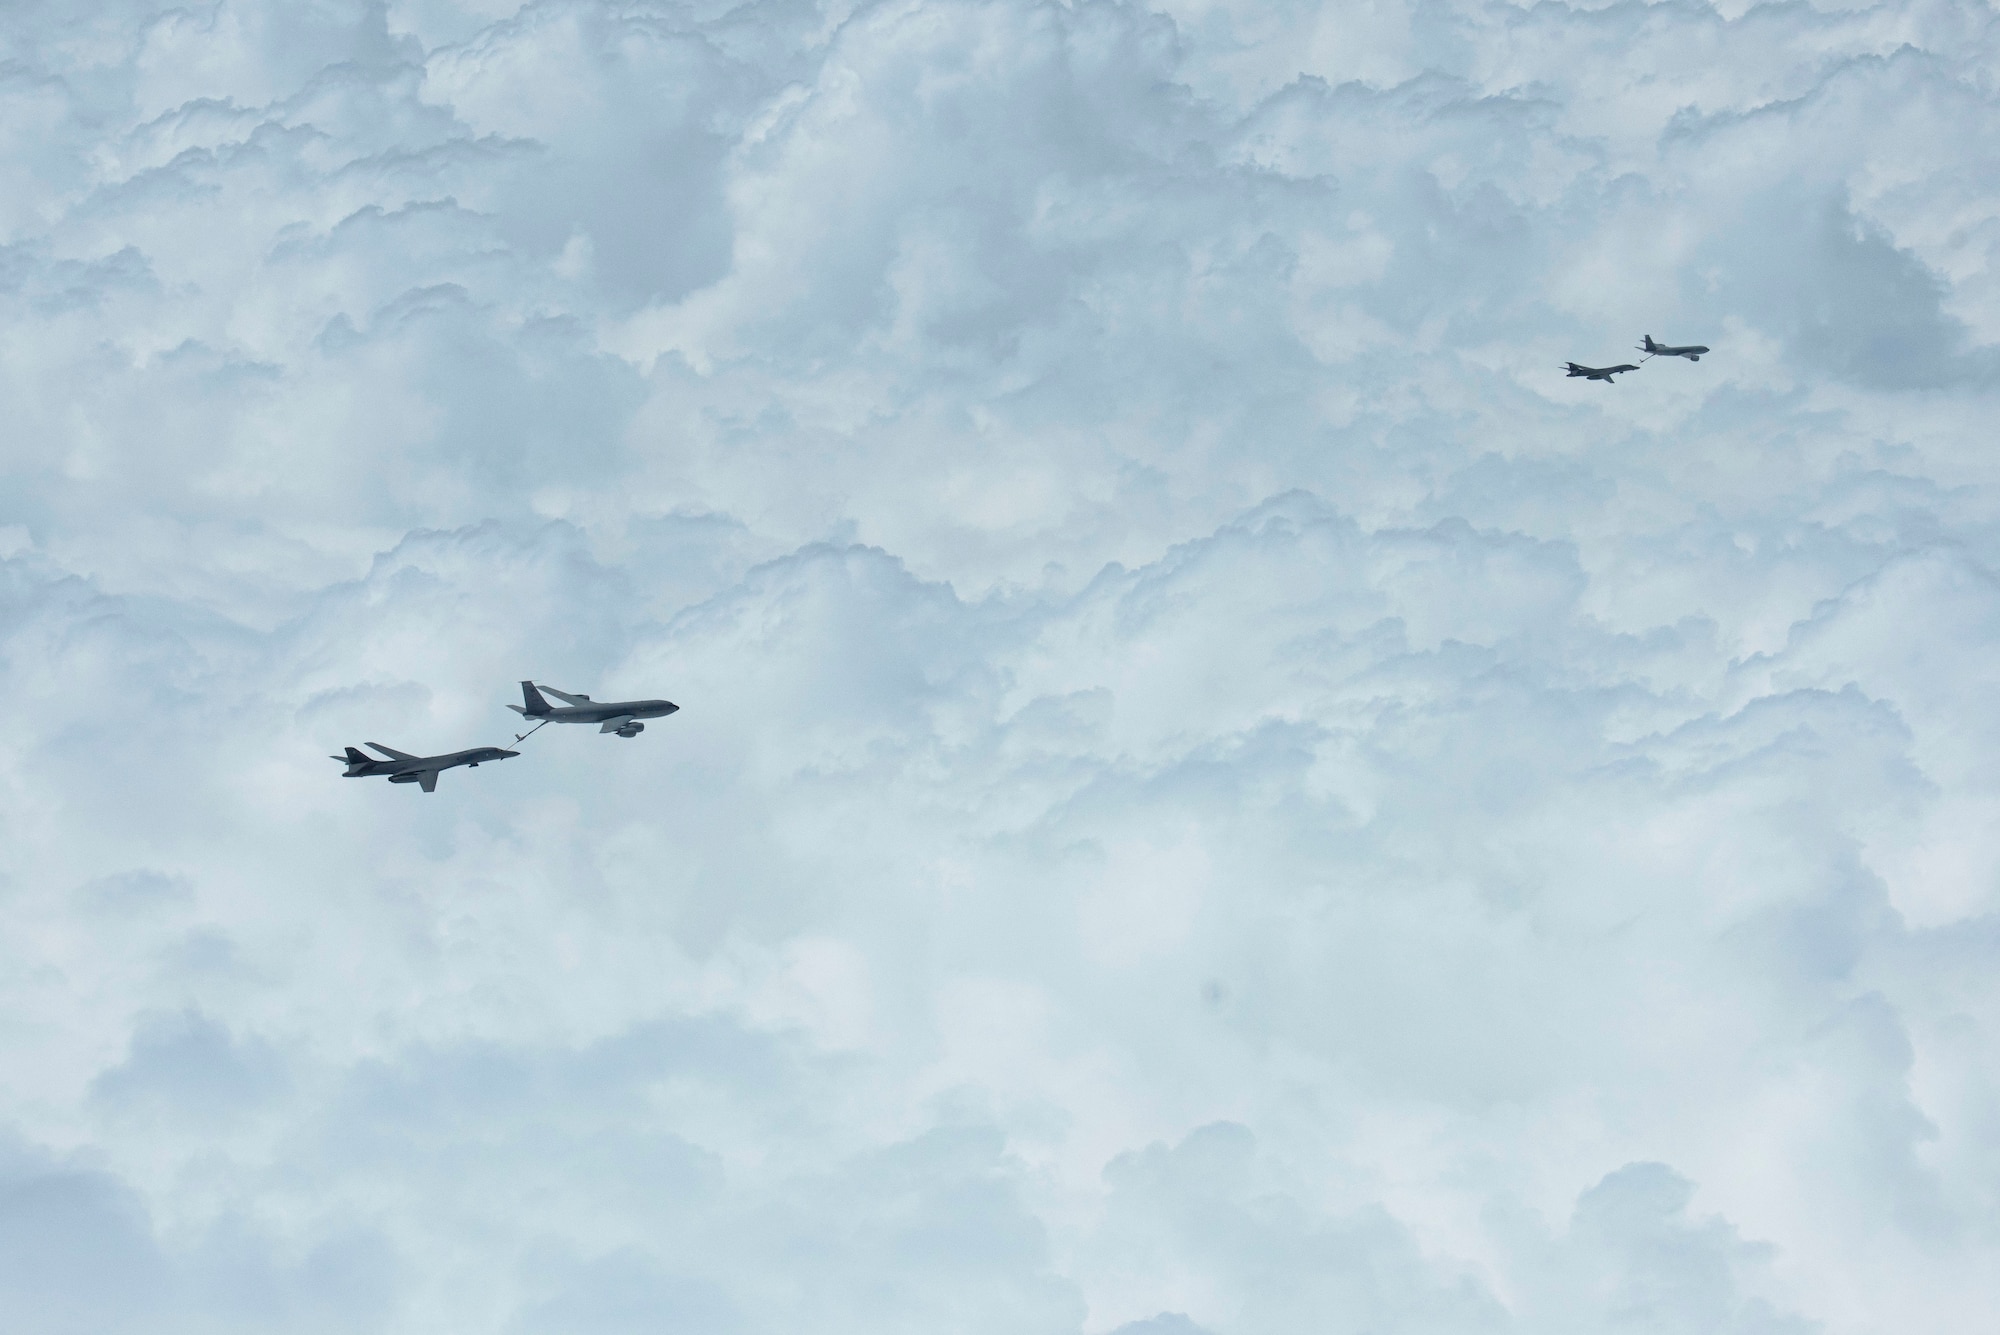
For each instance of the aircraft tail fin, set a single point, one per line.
(535, 705)
(353, 757)
(1648, 345)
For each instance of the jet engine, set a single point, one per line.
(632, 729)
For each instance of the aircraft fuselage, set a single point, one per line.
(1598, 372)
(1691, 351)
(595, 712)
(400, 767)
(619, 716)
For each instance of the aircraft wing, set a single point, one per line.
(614, 724)
(428, 780)
(392, 752)
(566, 697)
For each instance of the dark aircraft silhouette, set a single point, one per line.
(402, 767)
(620, 716)
(1598, 372)
(1691, 351)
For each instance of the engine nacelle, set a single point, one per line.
(632, 729)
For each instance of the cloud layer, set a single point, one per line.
(1216, 794)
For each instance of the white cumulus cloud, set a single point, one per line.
(1216, 791)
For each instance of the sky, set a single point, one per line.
(1216, 791)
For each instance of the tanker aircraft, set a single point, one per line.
(1691, 351)
(619, 716)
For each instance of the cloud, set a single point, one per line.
(1215, 792)
(83, 1254)
(1637, 1263)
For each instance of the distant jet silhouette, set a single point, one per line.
(1599, 372)
(1691, 351)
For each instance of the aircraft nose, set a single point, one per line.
(504, 754)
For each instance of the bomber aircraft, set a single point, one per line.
(402, 767)
(619, 716)
(1598, 372)
(1691, 351)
